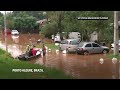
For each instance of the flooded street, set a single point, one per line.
(79, 66)
(17, 44)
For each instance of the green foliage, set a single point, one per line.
(2, 21)
(49, 29)
(20, 20)
(63, 21)
(67, 21)
(25, 22)
(52, 46)
(111, 56)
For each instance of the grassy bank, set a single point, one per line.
(115, 56)
(52, 46)
(7, 64)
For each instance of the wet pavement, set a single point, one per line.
(79, 66)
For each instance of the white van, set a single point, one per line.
(14, 32)
(57, 38)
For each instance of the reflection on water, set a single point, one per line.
(15, 38)
(17, 43)
(79, 66)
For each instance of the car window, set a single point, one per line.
(88, 45)
(119, 41)
(74, 42)
(64, 42)
(95, 45)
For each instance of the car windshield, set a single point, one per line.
(81, 44)
(74, 42)
(119, 41)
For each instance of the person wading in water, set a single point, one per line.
(44, 49)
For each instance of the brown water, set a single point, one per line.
(79, 66)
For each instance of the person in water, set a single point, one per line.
(34, 51)
(43, 49)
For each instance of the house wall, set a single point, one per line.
(74, 35)
(94, 36)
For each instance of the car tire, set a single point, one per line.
(104, 51)
(86, 53)
(77, 52)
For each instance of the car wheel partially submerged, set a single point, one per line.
(86, 53)
(105, 52)
(60, 48)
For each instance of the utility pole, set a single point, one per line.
(5, 31)
(116, 35)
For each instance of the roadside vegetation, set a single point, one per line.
(114, 56)
(51, 46)
(7, 63)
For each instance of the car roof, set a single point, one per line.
(71, 39)
(87, 42)
(14, 30)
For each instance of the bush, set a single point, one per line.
(49, 29)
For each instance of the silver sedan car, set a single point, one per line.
(70, 45)
(91, 47)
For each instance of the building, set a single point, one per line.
(42, 22)
(94, 36)
(74, 35)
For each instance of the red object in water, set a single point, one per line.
(34, 52)
(8, 31)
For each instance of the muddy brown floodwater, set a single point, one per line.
(78, 66)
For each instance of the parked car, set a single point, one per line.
(14, 32)
(91, 47)
(70, 45)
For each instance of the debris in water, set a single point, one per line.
(57, 51)
(114, 60)
(49, 50)
(101, 60)
(64, 51)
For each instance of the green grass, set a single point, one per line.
(49, 45)
(52, 46)
(7, 63)
(115, 56)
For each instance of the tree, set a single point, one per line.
(49, 29)
(86, 27)
(25, 23)
(58, 17)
